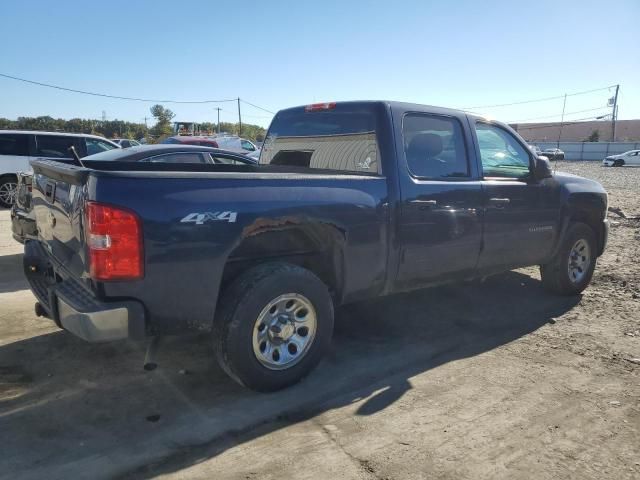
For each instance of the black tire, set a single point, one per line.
(240, 307)
(8, 191)
(556, 276)
(618, 163)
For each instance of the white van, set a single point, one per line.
(19, 147)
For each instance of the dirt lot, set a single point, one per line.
(496, 380)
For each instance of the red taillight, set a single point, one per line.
(114, 241)
(315, 107)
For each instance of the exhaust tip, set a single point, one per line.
(40, 311)
(150, 366)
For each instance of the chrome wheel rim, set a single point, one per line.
(579, 261)
(8, 191)
(284, 331)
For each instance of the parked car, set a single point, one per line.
(23, 224)
(191, 140)
(632, 157)
(255, 154)
(350, 201)
(19, 147)
(553, 153)
(536, 149)
(236, 144)
(126, 142)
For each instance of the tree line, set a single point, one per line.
(123, 129)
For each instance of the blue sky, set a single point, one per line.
(278, 54)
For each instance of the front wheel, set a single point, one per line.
(274, 325)
(618, 163)
(8, 191)
(570, 271)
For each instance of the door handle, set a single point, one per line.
(499, 202)
(424, 204)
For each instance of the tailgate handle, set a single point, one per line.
(499, 202)
(424, 204)
(50, 191)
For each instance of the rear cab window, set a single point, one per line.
(331, 137)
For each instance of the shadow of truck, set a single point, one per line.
(75, 408)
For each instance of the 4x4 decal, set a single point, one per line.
(200, 218)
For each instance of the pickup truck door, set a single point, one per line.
(440, 224)
(521, 214)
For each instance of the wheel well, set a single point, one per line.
(313, 247)
(594, 222)
(12, 176)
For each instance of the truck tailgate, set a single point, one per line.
(58, 199)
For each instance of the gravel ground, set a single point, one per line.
(498, 380)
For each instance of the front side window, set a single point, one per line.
(434, 146)
(501, 154)
(14, 144)
(54, 146)
(247, 145)
(180, 157)
(97, 146)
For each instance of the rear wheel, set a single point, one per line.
(570, 271)
(8, 191)
(274, 325)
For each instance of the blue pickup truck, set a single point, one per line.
(349, 201)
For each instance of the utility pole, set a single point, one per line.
(218, 124)
(564, 104)
(614, 114)
(239, 119)
(145, 122)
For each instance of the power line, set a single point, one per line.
(538, 99)
(113, 96)
(259, 108)
(557, 115)
(555, 124)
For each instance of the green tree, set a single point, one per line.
(163, 117)
(594, 137)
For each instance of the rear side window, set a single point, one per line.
(225, 160)
(14, 144)
(191, 157)
(54, 146)
(335, 139)
(434, 146)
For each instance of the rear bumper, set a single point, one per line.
(23, 226)
(77, 309)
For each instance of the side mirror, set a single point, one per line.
(542, 168)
